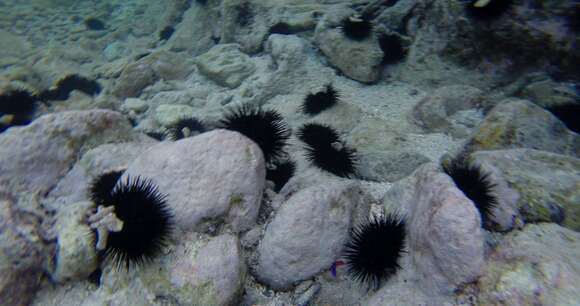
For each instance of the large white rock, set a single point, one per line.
(444, 233)
(216, 176)
(307, 234)
(36, 156)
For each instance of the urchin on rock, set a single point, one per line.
(213, 177)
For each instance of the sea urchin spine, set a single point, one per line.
(372, 254)
(315, 103)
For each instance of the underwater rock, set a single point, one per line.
(76, 256)
(308, 233)
(226, 65)
(22, 253)
(547, 93)
(134, 105)
(74, 186)
(358, 60)
(211, 178)
(161, 65)
(548, 183)
(389, 166)
(445, 238)
(522, 124)
(535, 266)
(434, 111)
(194, 33)
(36, 156)
(169, 114)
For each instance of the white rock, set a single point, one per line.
(226, 65)
(36, 156)
(218, 175)
(307, 234)
(169, 114)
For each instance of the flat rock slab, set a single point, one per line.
(226, 65)
(213, 177)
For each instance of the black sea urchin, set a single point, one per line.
(265, 127)
(102, 187)
(392, 47)
(314, 103)
(373, 251)
(475, 184)
(94, 24)
(487, 9)
(147, 223)
(568, 113)
(325, 150)
(280, 173)
(186, 127)
(16, 108)
(69, 83)
(356, 27)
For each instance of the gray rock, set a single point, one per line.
(226, 65)
(204, 184)
(521, 124)
(36, 156)
(445, 237)
(22, 253)
(76, 256)
(194, 33)
(307, 234)
(134, 105)
(169, 114)
(74, 187)
(536, 266)
(547, 92)
(389, 166)
(547, 183)
(359, 60)
(161, 65)
(434, 111)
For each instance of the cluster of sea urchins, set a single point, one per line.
(147, 219)
(325, 150)
(372, 254)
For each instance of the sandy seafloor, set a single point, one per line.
(433, 81)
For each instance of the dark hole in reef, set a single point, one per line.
(94, 24)
(389, 3)
(95, 277)
(392, 47)
(245, 14)
(569, 114)
(202, 2)
(357, 28)
(283, 28)
(166, 33)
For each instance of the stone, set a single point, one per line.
(74, 186)
(36, 156)
(22, 253)
(548, 184)
(134, 78)
(535, 266)
(307, 234)
(547, 92)
(134, 105)
(169, 114)
(216, 176)
(226, 65)
(76, 256)
(522, 124)
(358, 60)
(389, 166)
(434, 111)
(194, 33)
(445, 238)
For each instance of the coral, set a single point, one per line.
(326, 151)
(186, 127)
(280, 173)
(356, 27)
(315, 103)
(475, 184)
(265, 127)
(147, 223)
(373, 251)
